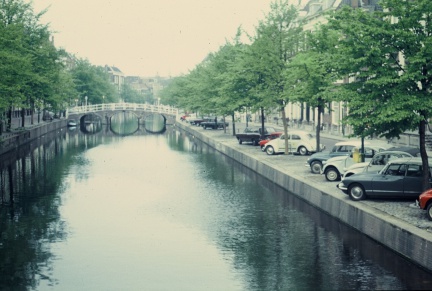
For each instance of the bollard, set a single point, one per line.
(356, 155)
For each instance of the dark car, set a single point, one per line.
(214, 124)
(400, 178)
(198, 121)
(254, 134)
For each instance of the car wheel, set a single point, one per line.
(316, 167)
(332, 174)
(240, 141)
(255, 142)
(270, 150)
(356, 192)
(429, 211)
(302, 151)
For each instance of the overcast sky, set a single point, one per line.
(146, 38)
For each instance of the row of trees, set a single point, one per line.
(385, 54)
(37, 76)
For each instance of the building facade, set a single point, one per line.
(312, 13)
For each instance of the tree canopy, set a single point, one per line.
(388, 56)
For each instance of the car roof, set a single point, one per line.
(368, 143)
(411, 160)
(354, 142)
(410, 150)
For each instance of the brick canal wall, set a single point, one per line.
(406, 239)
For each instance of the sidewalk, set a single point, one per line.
(407, 139)
(16, 125)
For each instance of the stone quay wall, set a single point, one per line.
(406, 239)
(12, 141)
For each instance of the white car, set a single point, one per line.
(300, 142)
(335, 167)
(380, 160)
(343, 148)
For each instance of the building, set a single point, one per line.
(312, 13)
(116, 77)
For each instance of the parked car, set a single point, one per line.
(254, 134)
(336, 167)
(400, 178)
(425, 202)
(380, 160)
(214, 124)
(198, 121)
(343, 148)
(270, 137)
(300, 142)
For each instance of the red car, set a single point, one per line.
(271, 136)
(425, 202)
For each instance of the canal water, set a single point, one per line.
(166, 212)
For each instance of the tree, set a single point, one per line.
(277, 40)
(390, 53)
(21, 39)
(311, 75)
(129, 94)
(93, 82)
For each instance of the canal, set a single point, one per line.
(166, 212)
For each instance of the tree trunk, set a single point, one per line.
(9, 119)
(285, 126)
(424, 156)
(318, 129)
(262, 123)
(32, 112)
(23, 117)
(233, 124)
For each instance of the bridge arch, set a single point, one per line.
(148, 116)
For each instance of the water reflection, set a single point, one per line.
(155, 123)
(287, 244)
(194, 216)
(124, 123)
(91, 123)
(31, 187)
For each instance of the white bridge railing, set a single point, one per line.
(123, 106)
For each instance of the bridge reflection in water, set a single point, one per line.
(122, 118)
(123, 123)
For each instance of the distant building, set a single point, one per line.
(116, 77)
(148, 85)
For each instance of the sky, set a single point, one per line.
(147, 38)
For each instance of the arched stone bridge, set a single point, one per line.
(111, 108)
(123, 113)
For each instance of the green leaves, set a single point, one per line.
(93, 82)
